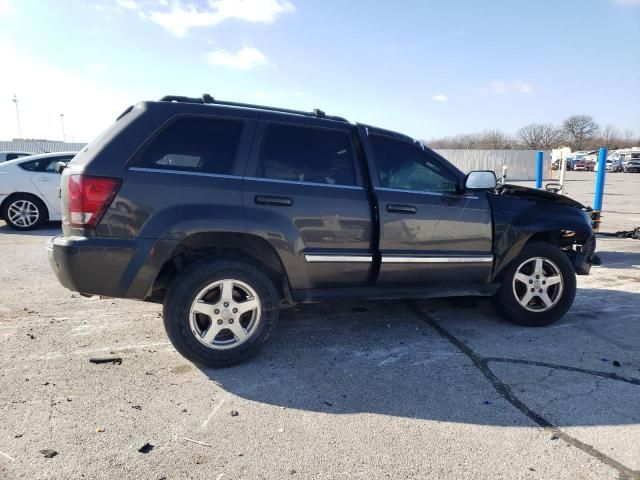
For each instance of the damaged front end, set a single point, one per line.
(522, 214)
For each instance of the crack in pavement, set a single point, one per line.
(506, 393)
(597, 373)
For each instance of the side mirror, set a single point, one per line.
(481, 180)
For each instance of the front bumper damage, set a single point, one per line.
(583, 256)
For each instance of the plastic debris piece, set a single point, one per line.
(48, 453)
(146, 448)
(114, 360)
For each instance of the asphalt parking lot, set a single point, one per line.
(412, 389)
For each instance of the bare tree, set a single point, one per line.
(611, 138)
(495, 140)
(579, 132)
(540, 136)
(580, 129)
(487, 140)
(628, 136)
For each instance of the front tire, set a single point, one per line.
(220, 312)
(538, 287)
(24, 212)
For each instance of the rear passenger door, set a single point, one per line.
(430, 233)
(304, 194)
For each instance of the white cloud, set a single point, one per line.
(128, 4)
(244, 59)
(440, 97)
(182, 18)
(500, 87)
(6, 7)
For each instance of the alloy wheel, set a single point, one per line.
(225, 314)
(538, 284)
(23, 213)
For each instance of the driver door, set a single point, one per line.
(430, 233)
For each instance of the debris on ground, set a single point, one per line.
(48, 453)
(635, 233)
(616, 363)
(197, 442)
(146, 448)
(555, 436)
(99, 429)
(328, 404)
(137, 407)
(114, 360)
(234, 413)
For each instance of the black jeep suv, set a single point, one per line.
(225, 212)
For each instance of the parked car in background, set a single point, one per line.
(629, 158)
(29, 190)
(226, 211)
(574, 158)
(7, 156)
(583, 166)
(611, 166)
(632, 166)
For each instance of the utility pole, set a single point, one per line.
(15, 100)
(64, 137)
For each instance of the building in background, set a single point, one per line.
(39, 146)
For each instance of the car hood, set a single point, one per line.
(527, 193)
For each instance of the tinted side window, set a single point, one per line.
(307, 154)
(35, 165)
(195, 144)
(13, 156)
(405, 166)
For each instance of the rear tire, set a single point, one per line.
(538, 287)
(24, 212)
(220, 312)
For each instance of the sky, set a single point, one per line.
(424, 68)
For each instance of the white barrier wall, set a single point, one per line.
(521, 164)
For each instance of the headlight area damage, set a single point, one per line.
(522, 214)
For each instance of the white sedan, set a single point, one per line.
(29, 190)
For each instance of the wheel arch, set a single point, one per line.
(247, 247)
(563, 238)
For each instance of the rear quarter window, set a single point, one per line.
(194, 144)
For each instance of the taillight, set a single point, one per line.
(88, 199)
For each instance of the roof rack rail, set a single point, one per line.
(208, 99)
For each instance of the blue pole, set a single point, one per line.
(602, 168)
(539, 158)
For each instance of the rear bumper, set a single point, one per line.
(112, 267)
